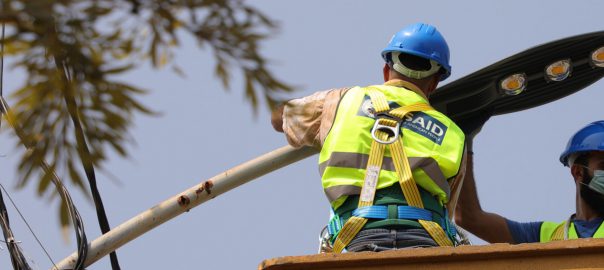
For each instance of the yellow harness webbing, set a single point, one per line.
(376, 155)
(561, 232)
(558, 233)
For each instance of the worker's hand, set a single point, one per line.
(277, 118)
(472, 125)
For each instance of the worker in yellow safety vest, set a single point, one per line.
(584, 155)
(388, 160)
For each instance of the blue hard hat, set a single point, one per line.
(421, 40)
(589, 138)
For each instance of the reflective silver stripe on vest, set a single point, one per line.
(359, 161)
(335, 192)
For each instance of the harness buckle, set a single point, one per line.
(325, 245)
(392, 131)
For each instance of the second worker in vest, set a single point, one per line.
(388, 160)
(584, 155)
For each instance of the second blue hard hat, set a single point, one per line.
(421, 40)
(589, 138)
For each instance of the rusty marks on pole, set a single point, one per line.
(183, 200)
(205, 186)
(208, 186)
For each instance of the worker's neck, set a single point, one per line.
(584, 211)
(408, 85)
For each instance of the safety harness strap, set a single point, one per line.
(411, 192)
(558, 233)
(561, 232)
(380, 133)
(376, 155)
(354, 224)
(335, 224)
(403, 169)
(403, 211)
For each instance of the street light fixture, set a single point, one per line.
(558, 71)
(597, 57)
(513, 84)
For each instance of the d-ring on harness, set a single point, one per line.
(388, 121)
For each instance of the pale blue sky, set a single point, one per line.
(322, 44)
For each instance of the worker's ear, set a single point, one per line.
(432, 84)
(386, 72)
(577, 172)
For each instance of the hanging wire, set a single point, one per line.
(5, 221)
(2, 66)
(16, 254)
(85, 155)
(76, 219)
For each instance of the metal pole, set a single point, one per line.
(186, 200)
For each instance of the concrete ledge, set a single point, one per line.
(571, 254)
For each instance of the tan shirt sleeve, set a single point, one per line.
(457, 183)
(307, 120)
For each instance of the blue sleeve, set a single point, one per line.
(524, 232)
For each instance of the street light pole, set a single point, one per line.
(187, 200)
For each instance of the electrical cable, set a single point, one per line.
(5, 223)
(2, 64)
(16, 255)
(85, 156)
(76, 219)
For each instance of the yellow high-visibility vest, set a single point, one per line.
(553, 231)
(432, 141)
